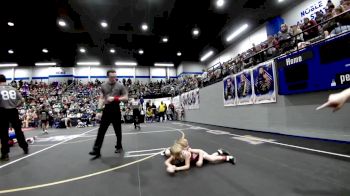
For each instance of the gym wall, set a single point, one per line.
(190, 68)
(291, 115)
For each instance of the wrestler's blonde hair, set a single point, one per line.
(183, 142)
(176, 150)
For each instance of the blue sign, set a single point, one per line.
(322, 66)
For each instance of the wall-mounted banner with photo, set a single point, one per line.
(230, 96)
(264, 83)
(176, 102)
(190, 100)
(245, 89)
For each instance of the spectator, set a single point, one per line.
(330, 3)
(342, 20)
(298, 33)
(149, 115)
(154, 110)
(330, 25)
(346, 5)
(284, 38)
(319, 17)
(309, 32)
(272, 45)
(169, 113)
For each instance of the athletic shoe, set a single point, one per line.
(95, 153)
(5, 157)
(26, 150)
(164, 152)
(223, 152)
(119, 150)
(231, 159)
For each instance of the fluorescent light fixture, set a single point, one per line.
(144, 27)
(165, 39)
(9, 65)
(46, 64)
(141, 51)
(179, 54)
(237, 32)
(62, 23)
(112, 50)
(10, 51)
(220, 3)
(124, 63)
(207, 55)
(82, 50)
(11, 24)
(104, 24)
(88, 63)
(45, 50)
(164, 64)
(279, 1)
(195, 32)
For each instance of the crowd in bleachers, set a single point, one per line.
(66, 105)
(75, 105)
(330, 21)
(168, 87)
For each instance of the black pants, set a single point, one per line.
(10, 116)
(136, 116)
(110, 115)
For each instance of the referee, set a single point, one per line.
(10, 99)
(112, 93)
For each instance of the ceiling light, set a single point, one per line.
(62, 23)
(10, 52)
(220, 3)
(165, 39)
(82, 50)
(104, 24)
(88, 63)
(237, 32)
(112, 50)
(122, 63)
(195, 32)
(164, 64)
(46, 64)
(11, 24)
(207, 55)
(9, 65)
(45, 50)
(141, 51)
(179, 54)
(279, 1)
(144, 27)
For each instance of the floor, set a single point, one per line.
(267, 164)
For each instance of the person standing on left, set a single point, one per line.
(10, 99)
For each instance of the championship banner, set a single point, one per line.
(230, 96)
(245, 94)
(264, 83)
(190, 100)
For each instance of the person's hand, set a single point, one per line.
(110, 99)
(98, 116)
(171, 169)
(335, 101)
